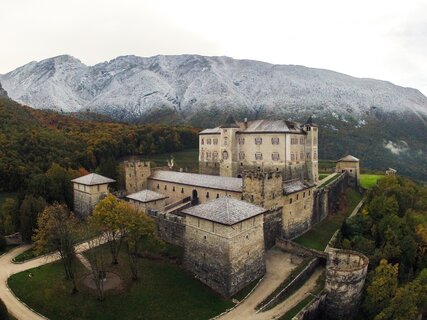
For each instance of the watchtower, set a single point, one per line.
(228, 148)
(351, 165)
(136, 175)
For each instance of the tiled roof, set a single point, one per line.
(225, 210)
(349, 158)
(199, 180)
(146, 196)
(295, 186)
(260, 126)
(216, 130)
(93, 179)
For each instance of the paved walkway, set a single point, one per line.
(7, 268)
(279, 266)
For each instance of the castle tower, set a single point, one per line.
(136, 175)
(311, 151)
(345, 276)
(262, 188)
(88, 191)
(228, 148)
(351, 165)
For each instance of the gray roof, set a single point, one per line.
(146, 196)
(93, 179)
(263, 126)
(225, 210)
(216, 130)
(295, 186)
(349, 158)
(199, 180)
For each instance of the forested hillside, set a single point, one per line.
(32, 140)
(392, 231)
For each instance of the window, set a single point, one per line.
(209, 141)
(217, 195)
(275, 140)
(290, 200)
(203, 141)
(208, 155)
(258, 140)
(258, 156)
(215, 155)
(173, 188)
(241, 156)
(301, 140)
(297, 196)
(292, 157)
(207, 195)
(182, 190)
(98, 184)
(308, 155)
(314, 129)
(303, 194)
(309, 192)
(241, 140)
(215, 140)
(225, 155)
(158, 186)
(275, 156)
(166, 187)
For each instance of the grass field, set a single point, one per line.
(367, 181)
(319, 236)
(184, 159)
(26, 255)
(164, 291)
(323, 175)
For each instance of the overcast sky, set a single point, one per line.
(382, 39)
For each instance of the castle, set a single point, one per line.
(258, 182)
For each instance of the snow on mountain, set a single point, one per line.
(130, 87)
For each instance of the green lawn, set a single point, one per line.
(26, 255)
(184, 159)
(367, 181)
(165, 291)
(319, 236)
(323, 175)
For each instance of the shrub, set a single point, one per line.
(4, 315)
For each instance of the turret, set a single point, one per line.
(311, 150)
(228, 147)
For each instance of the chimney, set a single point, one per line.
(246, 123)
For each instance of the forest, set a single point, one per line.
(41, 151)
(392, 231)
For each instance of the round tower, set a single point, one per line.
(345, 276)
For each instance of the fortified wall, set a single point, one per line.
(170, 227)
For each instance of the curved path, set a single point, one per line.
(15, 307)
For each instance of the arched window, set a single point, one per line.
(224, 155)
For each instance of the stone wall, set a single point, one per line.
(170, 228)
(226, 258)
(345, 277)
(314, 310)
(299, 250)
(273, 226)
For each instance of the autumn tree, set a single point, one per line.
(107, 215)
(140, 231)
(8, 216)
(58, 230)
(29, 210)
(97, 261)
(382, 288)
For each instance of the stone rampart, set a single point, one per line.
(313, 310)
(170, 227)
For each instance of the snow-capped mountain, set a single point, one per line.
(130, 87)
(3, 93)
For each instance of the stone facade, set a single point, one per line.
(136, 173)
(169, 227)
(87, 197)
(225, 257)
(345, 277)
(157, 205)
(276, 145)
(349, 164)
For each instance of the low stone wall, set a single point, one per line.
(298, 280)
(313, 310)
(273, 226)
(170, 227)
(299, 250)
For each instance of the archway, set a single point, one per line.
(194, 197)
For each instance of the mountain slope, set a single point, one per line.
(383, 124)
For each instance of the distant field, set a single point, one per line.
(367, 181)
(188, 159)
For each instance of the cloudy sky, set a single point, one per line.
(382, 39)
